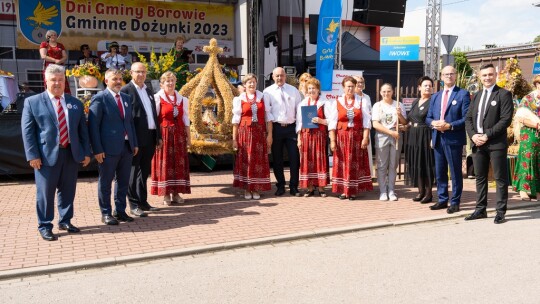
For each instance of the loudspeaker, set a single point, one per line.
(394, 6)
(380, 12)
(379, 18)
(313, 28)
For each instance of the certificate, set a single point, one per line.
(308, 112)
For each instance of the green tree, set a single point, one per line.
(461, 63)
(537, 39)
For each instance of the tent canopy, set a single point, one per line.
(352, 49)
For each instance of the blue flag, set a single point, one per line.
(327, 36)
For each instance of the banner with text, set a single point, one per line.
(327, 36)
(400, 48)
(337, 87)
(97, 22)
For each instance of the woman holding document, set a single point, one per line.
(312, 130)
(349, 127)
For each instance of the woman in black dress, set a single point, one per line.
(418, 153)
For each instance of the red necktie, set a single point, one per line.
(444, 104)
(62, 124)
(119, 104)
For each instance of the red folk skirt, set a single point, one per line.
(313, 159)
(170, 165)
(251, 167)
(350, 172)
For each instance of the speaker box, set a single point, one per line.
(313, 28)
(394, 6)
(379, 18)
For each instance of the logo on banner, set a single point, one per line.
(331, 29)
(36, 17)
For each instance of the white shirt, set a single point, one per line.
(55, 107)
(386, 114)
(320, 103)
(282, 109)
(179, 99)
(113, 61)
(478, 118)
(450, 90)
(237, 107)
(147, 104)
(358, 103)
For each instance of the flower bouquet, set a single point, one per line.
(159, 64)
(86, 69)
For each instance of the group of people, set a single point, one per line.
(134, 134)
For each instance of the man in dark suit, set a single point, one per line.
(114, 144)
(486, 125)
(446, 116)
(55, 140)
(148, 137)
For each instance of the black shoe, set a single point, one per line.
(138, 212)
(418, 198)
(123, 217)
(309, 193)
(69, 228)
(426, 200)
(439, 206)
(452, 209)
(109, 220)
(499, 218)
(295, 192)
(147, 207)
(47, 235)
(280, 191)
(476, 215)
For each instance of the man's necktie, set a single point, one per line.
(62, 124)
(119, 104)
(284, 101)
(483, 107)
(444, 104)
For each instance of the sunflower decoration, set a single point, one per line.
(86, 69)
(210, 97)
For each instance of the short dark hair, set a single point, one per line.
(348, 78)
(84, 46)
(487, 66)
(424, 78)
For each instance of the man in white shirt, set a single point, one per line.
(128, 59)
(113, 59)
(148, 137)
(283, 99)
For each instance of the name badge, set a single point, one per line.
(125, 104)
(454, 102)
(493, 103)
(69, 106)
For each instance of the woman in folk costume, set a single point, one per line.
(312, 142)
(349, 138)
(252, 138)
(170, 166)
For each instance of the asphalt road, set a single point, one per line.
(450, 261)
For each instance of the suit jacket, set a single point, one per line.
(106, 126)
(497, 118)
(144, 135)
(455, 114)
(41, 136)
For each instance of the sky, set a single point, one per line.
(477, 22)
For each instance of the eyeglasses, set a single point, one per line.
(449, 74)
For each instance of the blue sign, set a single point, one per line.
(536, 68)
(36, 17)
(328, 34)
(400, 48)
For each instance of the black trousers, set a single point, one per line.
(285, 137)
(140, 170)
(481, 159)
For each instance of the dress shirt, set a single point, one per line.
(179, 99)
(450, 90)
(147, 105)
(478, 118)
(358, 102)
(116, 61)
(237, 107)
(64, 106)
(283, 111)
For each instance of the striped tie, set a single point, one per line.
(62, 124)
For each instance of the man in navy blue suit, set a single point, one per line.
(55, 140)
(446, 116)
(114, 144)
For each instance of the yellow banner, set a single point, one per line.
(95, 22)
(406, 40)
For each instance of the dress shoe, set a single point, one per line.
(138, 212)
(147, 207)
(109, 220)
(499, 218)
(69, 228)
(247, 194)
(280, 191)
(452, 209)
(47, 235)
(418, 198)
(426, 200)
(295, 192)
(123, 217)
(439, 206)
(476, 215)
